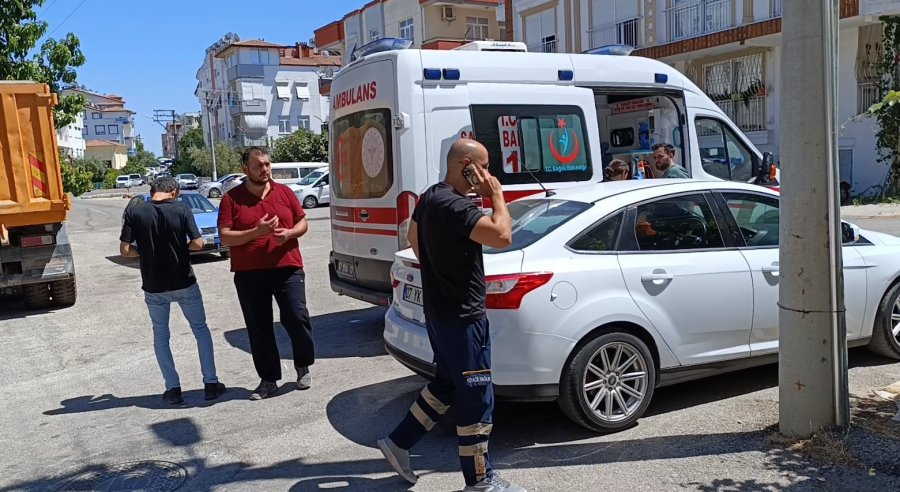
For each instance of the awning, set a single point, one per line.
(255, 125)
(283, 88)
(302, 90)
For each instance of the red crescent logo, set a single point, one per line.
(567, 159)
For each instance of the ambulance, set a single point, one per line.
(549, 120)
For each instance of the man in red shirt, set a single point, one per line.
(260, 221)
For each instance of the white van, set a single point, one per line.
(313, 189)
(289, 172)
(549, 120)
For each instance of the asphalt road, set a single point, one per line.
(82, 402)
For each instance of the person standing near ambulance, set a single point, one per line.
(260, 221)
(446, 233)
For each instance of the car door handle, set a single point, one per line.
(656, 277)
(771, 269)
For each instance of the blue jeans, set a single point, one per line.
(191, 302)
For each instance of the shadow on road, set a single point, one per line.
(354, 333)
(126, 262)
(192, 399)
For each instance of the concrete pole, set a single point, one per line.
(212, 136)
(813, 340)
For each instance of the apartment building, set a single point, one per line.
(105, 117)
(175, 130)
(255, 91)
(429, 24)
(732, 50)
(69, 139)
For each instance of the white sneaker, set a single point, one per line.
(398, 458)
(493, 482)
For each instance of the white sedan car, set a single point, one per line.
(613, 289)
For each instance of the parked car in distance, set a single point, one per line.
(214, 189)
(233, 182)
(136, 179)
(313, 189)
(188, 181)
(613, 289)
(205, 214)
(123, 181)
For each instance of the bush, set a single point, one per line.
(110, 181)
(75, 180)
(97, 169)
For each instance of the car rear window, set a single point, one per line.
(534, 219)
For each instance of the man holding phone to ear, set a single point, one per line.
(446, 233)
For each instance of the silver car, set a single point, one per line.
(188, 181)
(215, 189)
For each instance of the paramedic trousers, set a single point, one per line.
(462, 355)
(255, 289)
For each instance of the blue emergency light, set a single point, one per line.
(566, 75)
(660, 78)
(451, 74)
(432, 74)
(379, 45)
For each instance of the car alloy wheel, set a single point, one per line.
(609, 382)
(886, 330)
(310, 202)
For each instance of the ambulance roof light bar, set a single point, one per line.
(379, 45)
(612, 49)
(508, 46)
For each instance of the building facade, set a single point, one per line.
(732, 50)
(254, 92)
(113, 154)
(429, 24)
(175, 130)
(69, 139)
(105, 117)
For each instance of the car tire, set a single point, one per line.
(214, 193)
(64, 292)
(37, 296)
(582, 388)
(885, 339)
(310, 202)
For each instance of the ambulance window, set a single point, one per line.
(722, 154)
(622, 137)
(362, 155)
(545, 141)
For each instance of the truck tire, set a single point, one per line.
(64, 292)
(37, 296)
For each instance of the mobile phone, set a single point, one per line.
(469, 174)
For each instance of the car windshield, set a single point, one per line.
(198, 203)
(534, 219)
(186, 176)
(122, 178)
(310, 178)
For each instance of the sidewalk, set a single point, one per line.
(875, 211)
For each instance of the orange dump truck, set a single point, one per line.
(35, 254)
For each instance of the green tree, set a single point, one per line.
(110, 181)
(192, 139)
(301, 146)
(140, 161)
(97, 169)
(887, 111)
(54, 64)
(75, 180)
(227, 160)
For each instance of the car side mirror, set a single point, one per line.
(761, 168)
(849, 233)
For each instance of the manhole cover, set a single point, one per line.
(155, 476)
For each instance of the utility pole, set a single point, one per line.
(210, 95)
(812, 375)
(165, 117)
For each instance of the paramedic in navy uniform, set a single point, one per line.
(447, 233)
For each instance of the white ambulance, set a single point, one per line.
(548, 120)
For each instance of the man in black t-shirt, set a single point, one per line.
(446, 233)
(165, 232)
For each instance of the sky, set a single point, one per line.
(149, 51)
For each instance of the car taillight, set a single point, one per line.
(507, 291)
(406, 203)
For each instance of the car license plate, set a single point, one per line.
(346, 268)
(412, 294)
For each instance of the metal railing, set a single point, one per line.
(749, 115)
(690, 19)
(867, 94)
(625, 32)
(543, 47)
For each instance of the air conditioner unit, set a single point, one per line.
(447, 13)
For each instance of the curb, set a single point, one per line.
(106, 195)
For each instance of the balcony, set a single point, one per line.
(245, 71)
(238, 141)
(247, 106)
(626, 32)
(775, 8)
(698, 17)
(545, 46)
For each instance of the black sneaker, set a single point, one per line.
(264, 390)
(303, 378)
(173, 396)
(211, 391)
